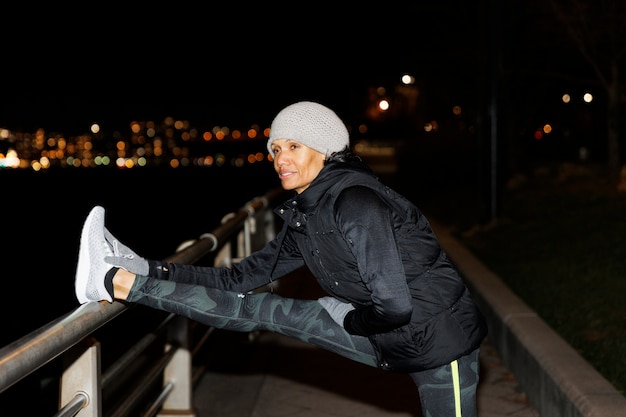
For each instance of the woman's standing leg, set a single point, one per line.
(305, 320)
(450, 390)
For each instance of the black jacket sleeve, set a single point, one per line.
(253, 272)
(367, 224)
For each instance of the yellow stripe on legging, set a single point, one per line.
(457, 388)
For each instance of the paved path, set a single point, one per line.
(274, 376)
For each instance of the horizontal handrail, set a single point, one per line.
(34, 350)
(29, 353)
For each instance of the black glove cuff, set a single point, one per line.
(347, 320)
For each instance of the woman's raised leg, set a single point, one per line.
(305, 320)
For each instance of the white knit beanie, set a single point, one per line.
(312, 125)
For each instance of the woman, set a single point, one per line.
(395, 301)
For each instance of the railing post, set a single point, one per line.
(224, 257)
(82, 377)
(179, 373)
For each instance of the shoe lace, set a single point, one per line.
(117, 252)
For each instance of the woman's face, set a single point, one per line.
(297, 165)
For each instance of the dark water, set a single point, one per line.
(151, 210)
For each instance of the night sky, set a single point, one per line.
(230, 64)
(217, 63)
(245, 85)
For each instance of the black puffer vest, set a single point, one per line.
(368, 245)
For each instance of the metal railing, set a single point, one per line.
(156, 373)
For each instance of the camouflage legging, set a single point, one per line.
(309, 322)
(305, 320)
(450, 390)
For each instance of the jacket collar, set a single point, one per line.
(333, 174)
(297, 209)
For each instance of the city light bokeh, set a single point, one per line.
(171, 143)
(389, 111)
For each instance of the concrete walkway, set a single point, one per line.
(273, 376)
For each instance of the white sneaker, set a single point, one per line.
(92, 268)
